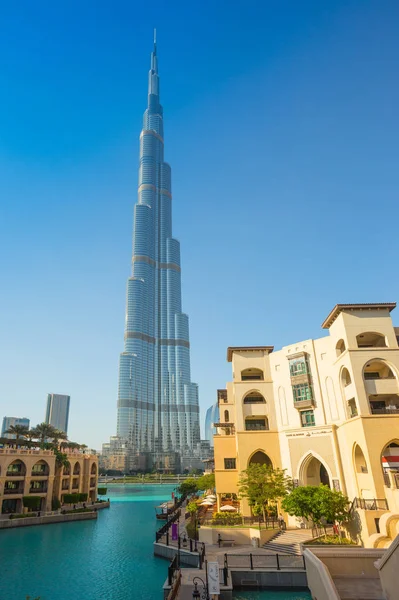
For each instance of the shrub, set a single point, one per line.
(226, 518)
(330, 540)
(32, 502)
(55, 504)
(102, 491)
(24, 516)
(82, 497)
(71, 498)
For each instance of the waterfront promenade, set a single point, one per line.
(110, 557)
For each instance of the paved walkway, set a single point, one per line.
(359, 588)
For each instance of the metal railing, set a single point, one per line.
(271, 523)
(385, 411)
(18, 490)
(387, 481)
(165, 528)
(275, 561)
(15, 474)
(370, 504)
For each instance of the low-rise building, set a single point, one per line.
(326, 410)
(35, 472)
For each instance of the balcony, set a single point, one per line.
(370, 504)
(384, 410)
(19, 473)
(16, 490)
(307, 403)
(381, 386)
(42, 489)
(227, 428)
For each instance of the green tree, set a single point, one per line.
(206, 482)
(18, 430)
(318, 504)
(188, 487)
(263, 486)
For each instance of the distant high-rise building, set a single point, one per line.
(158, 412)
(57, 411)
(11, 421)
(212, 416)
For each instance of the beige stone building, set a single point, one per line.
(28, 472)
(326, 410)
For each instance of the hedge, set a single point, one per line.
(82, 497)
(71, 498)
(102, 491)
(32, 502)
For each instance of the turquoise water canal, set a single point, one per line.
(107, 559)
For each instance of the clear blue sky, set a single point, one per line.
(282, 129)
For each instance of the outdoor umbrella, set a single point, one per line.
(207, 503)
(228, 507)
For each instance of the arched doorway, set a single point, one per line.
(314, 472)
(260, 458)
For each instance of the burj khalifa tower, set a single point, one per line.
(158, 412)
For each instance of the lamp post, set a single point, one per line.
(197, 595)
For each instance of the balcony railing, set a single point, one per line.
(18, 490)
(40, 490)
(15, 474)
(370, 504)
(386, 410)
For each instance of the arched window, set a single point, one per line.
(254, 398)
(67, 469)
(345, 377)
(17, 467)
(76, 469)
(340, 347)
(256, 424)
(260, 458)
(226, 416)
(252, 375)
(370, 339)
(40, 468)
(93, 469)
(360, 460)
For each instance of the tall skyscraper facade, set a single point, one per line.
(212, 416)
(11, 421)
(158, 410)
(57, 411)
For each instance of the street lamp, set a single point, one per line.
(197, 595)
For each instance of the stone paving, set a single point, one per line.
(359, 588)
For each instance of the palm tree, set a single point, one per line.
(31, 435)
(18, 430)
(44, 431)
(57, 436)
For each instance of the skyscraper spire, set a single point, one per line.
(158, 413)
